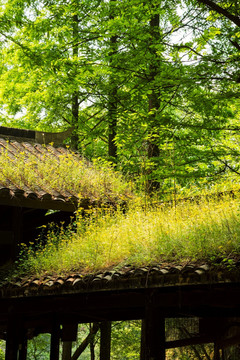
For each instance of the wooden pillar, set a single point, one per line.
(105, 340)
(67, 350)
(55, 341)
(68, 335)
(23, 348)
(22, 344)
(16, 342)
(11, 352)
(153, 335)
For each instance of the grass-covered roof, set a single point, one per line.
(206, 232)
(56, 177)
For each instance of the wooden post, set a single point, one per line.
(11, 343)
(153, 335)
(105, 340)
(55, 339)
(143, 342)
(16, 339)
(23, 348)
(67, 350)
(68, 335)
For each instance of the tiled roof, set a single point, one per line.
(22, 194)
(123, 279)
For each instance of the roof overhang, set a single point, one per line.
(19, 199)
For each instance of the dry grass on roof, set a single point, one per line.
(207, 231)
(44, 169)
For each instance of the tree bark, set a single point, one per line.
(153, 105)
(112, 97)
(75, 96)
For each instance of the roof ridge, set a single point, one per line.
(41, 137)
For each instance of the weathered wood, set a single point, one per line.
(105, 340)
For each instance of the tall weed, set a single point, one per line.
(190, 232)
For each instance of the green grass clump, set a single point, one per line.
(190, 232)
(66, 173)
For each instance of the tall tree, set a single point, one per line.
(153, 82)
(113, 87)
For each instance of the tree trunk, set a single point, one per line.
(75, 96)
(153, 105)
(112, 97)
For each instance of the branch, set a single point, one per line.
(224, 162)
(213, 6)
(86, 341)
(234, 43)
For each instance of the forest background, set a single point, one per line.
(152, 86)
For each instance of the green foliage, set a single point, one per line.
(2, 350)
(39, 347)
(55, 54)
(126, 340)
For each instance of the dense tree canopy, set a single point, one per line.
(152, 85)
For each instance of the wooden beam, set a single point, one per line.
(55, 341)
(21, 201)
(105, 340)
(143, 340)
(153, 336)
(66, 350)
(69, 331)
(12, 340)
(196, 340)
(94, 329)
(23, 348)
(11, 345)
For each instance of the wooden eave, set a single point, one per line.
(38, 301)
(123, 279)
(19, 199)
(177, 290)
